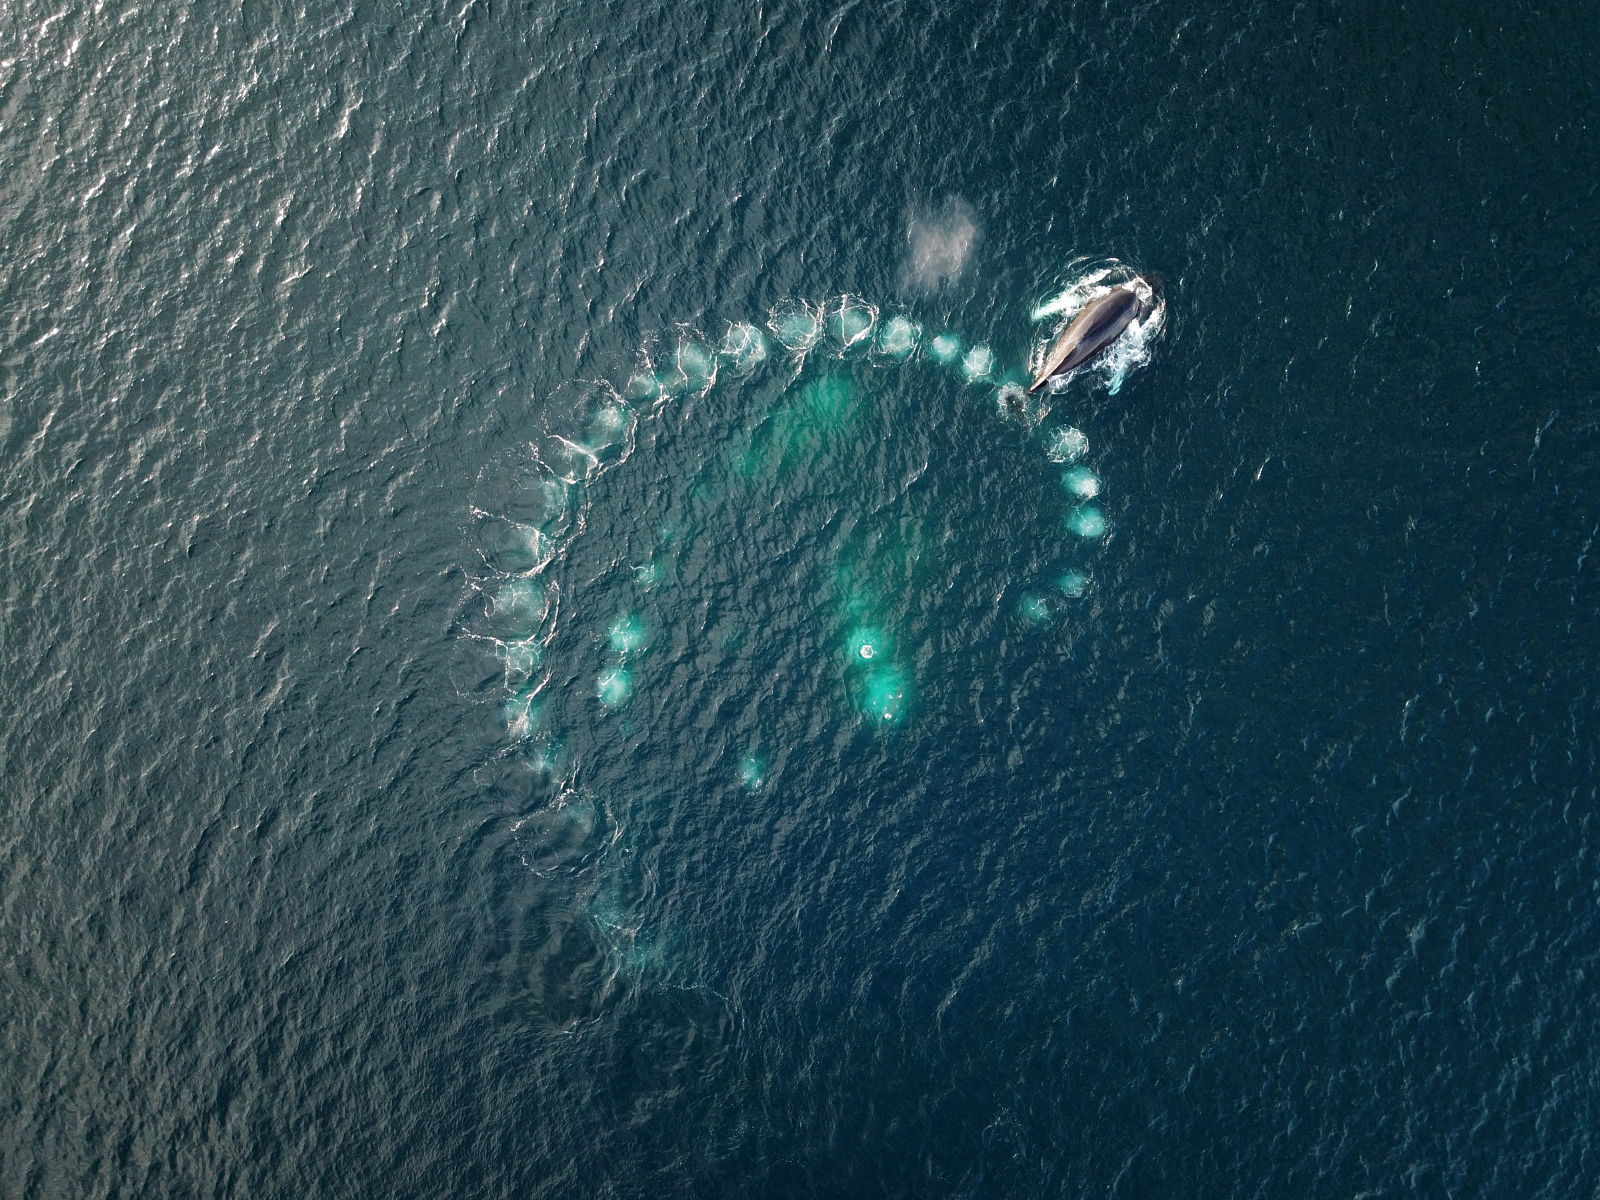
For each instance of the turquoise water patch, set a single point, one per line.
(852, 321)
(865, 644)
(898, 337)
(1072, 583)
(1086, 521)
(945, 348)
(821, 409)
(881, 694)
(1081, 482)
(752, 771)
(977, 364)
(1035, 609)
(1064, 444)
(628, 633)
(614, 686)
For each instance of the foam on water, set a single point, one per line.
(519, 606)
(852, 321)
(881, 694)
(1035, 609)
(644, 385)
(898, 337)
(521, 658)
(864, 645)
(1086, 521)
(796, 325)
(977, 364)
(1015, 403)
(614, 686)
(628, 634)
(1081, 482)
(1072, 583)
(522, 713)
(752, 771)
(599, 432)
(744, 347)
(1066, 444)
(697, 365)
(945, 348)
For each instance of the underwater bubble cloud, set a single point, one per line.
(883, 694)
(519, 606)
(1066, 444)
(1086, 521)
(796, 325)
(1035, 610)
(977, 364)
(852, 321)
(752, 771)
(864, 645)
(1072, 584)
(627, 634)
(1081, 482)
(898, 337)
(744, 348)
(614, 687)
(697, 365)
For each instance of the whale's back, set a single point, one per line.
(1097, 326)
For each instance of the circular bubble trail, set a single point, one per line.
(598, 431)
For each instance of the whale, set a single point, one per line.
(1099, 324)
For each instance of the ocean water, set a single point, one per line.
(546, 654)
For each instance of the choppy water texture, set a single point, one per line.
(547, 654)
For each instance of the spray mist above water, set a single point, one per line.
(939, 245)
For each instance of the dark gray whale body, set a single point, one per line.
(1099, 324)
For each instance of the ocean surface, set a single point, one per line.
(544, 653)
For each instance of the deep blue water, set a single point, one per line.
(440, 755)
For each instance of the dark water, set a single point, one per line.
(1265, 867)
